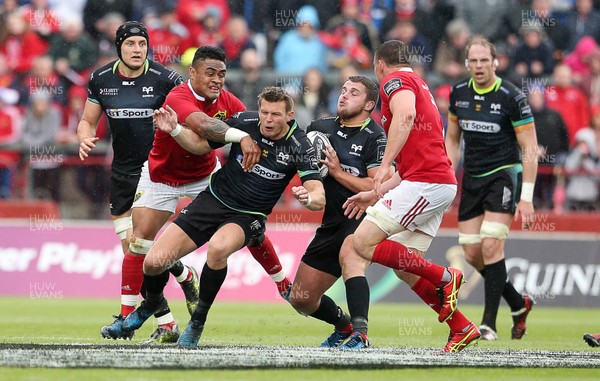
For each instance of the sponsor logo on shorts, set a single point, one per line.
(137, 196)
(126, 113)
(255, 226)
(477, 126)
(506, 198)
(387, 203)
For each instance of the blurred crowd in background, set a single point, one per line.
(548, 48)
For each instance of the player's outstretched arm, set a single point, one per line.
(86, 129)
(165, 119)
(311, 194)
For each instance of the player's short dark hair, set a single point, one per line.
(207, 52)
(483, 42)
(372, 88)
(393, 53)
(275, 94)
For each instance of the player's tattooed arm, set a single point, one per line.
(218, 131)
(208, 128)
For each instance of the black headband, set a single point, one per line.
(130, 28)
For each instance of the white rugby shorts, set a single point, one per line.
(412, 206)
(159, 196)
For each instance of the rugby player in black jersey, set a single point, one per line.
(357, 146)
(128, 90)
(232, 212)
(494, 119)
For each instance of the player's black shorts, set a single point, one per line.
(122, 192)
(323, 252)
(205, 215)
(499, 192)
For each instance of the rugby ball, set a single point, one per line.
(319, 141)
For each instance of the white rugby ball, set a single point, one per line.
(319, 140)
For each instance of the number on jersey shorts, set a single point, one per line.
(412, 205)
(159, 196)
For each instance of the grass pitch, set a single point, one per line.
(57, 338)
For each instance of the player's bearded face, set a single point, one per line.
(134, 52)
(208, 78)
(351, 101)
(274, 119)
(480, 65)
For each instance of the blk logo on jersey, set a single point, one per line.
(128, 83)
(340, 133)
(268, 142)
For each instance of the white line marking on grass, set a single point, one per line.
(240, 357)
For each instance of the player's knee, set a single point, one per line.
(471, 257)
(495, 230)
(218, 251)
(471, 244)
(346, 251)
(493, 235)
(122, 225)
(139, 245)
(359, 248)
(301, 301)
(152, 265)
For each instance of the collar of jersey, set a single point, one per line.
(494, 87)
(146, 66)
(362, 126)
(199, 97)
(405, 69)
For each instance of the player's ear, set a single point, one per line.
(467, 64)
(495, 63)
(369, 106)
(290, 115)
